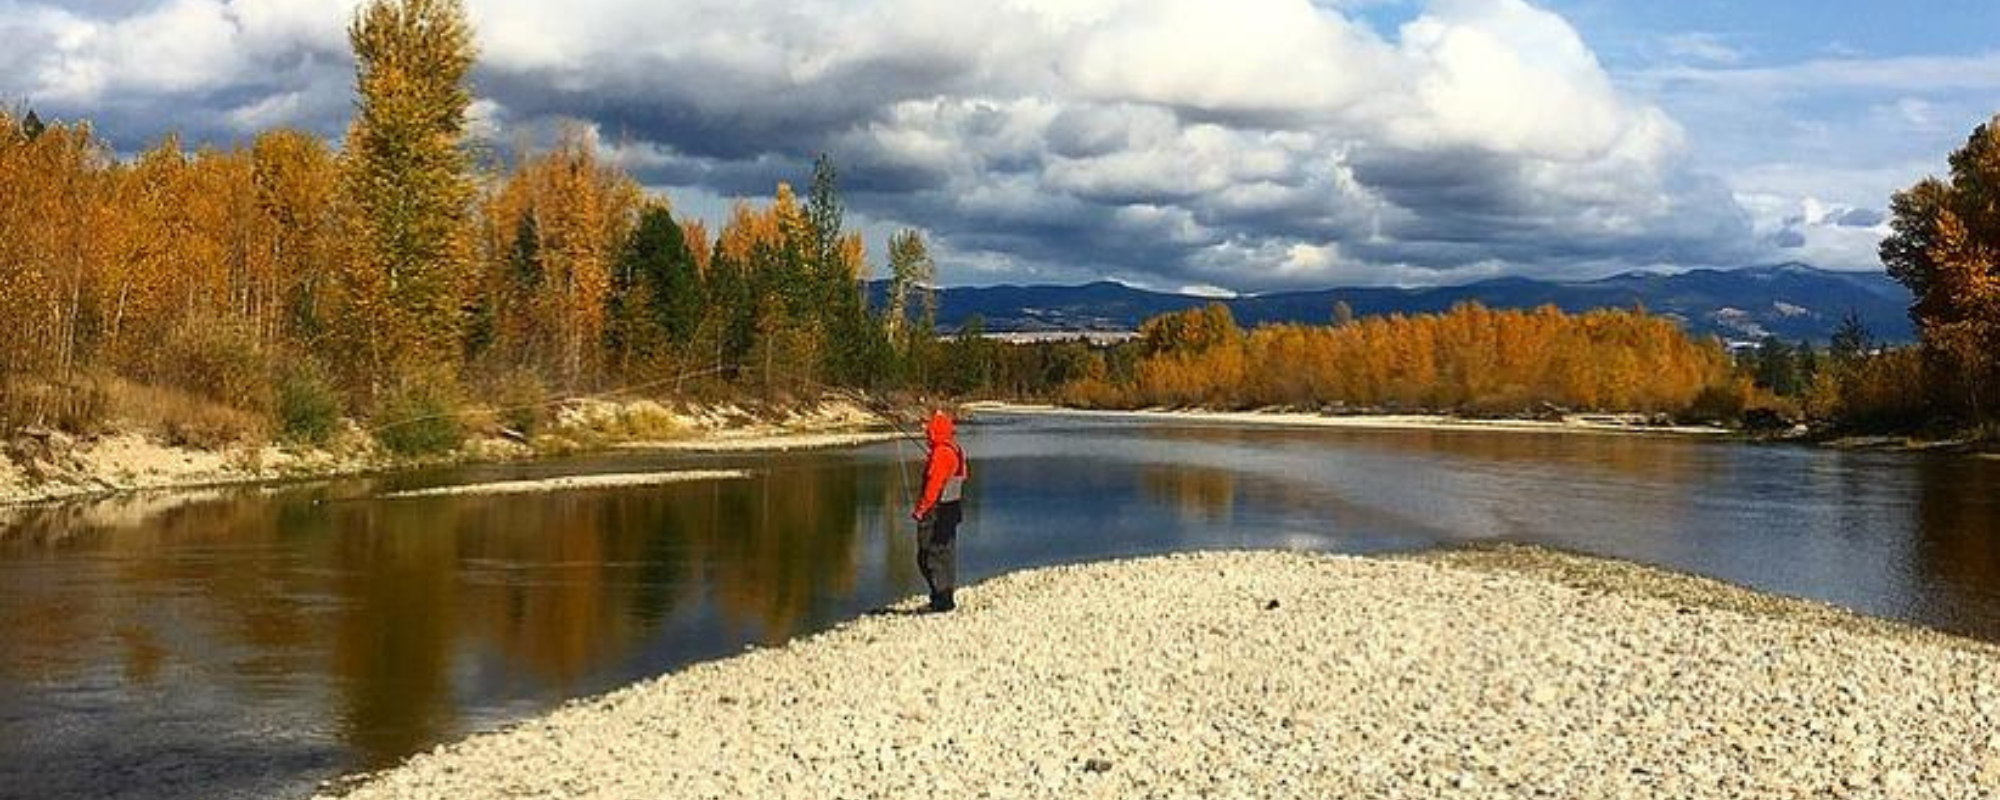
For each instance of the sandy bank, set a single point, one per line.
(784, 442)
(1574, 423)
(1283, 675)
(58, 467)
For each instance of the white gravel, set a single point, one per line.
(575, 482)
(1277, 675)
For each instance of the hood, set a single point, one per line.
(939, 429)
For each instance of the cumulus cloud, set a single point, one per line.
(1814, 231)
(1244, 146)
(211, 69)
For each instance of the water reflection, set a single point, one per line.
(378, 625)
(246, 643)
(1958, 518)
(1657, 460)
(1199, 495)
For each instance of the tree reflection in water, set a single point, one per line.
(1197, 494)
(400, 608)
(1958, 542)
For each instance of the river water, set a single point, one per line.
(250, 643)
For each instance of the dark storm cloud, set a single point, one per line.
(1267, 144)
(705, 112)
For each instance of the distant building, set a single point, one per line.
(1092, 338)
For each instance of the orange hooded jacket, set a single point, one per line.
(946, 465)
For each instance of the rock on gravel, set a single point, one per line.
(1177, 677)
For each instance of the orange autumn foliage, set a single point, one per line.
(1470, 359)
(549, 293)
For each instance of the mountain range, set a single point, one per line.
(1792, 301)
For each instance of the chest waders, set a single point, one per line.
(937, 538)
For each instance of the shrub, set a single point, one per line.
(520, 401)
(308, 405)
(1885, 391)
(646, 420)
(419, 418)
(1092, 392)
(182, 419)
(218, 360)
(1719, 403)
(78, 406)
(1512, 401)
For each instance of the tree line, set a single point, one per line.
(1470, 359)
(397, 275)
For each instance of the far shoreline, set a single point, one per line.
(1598, 424)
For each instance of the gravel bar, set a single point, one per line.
(1252, 674)
(621, 480)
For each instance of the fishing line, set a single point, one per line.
(872, 406)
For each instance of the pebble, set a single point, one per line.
(1383, 678)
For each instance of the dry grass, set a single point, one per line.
(602, 422)
(75, 406)
(182, 419)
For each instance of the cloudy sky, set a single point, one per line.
(1248, 145)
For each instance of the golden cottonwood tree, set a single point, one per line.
(1946, 249)
(296, 182)
(407, 177)
(57, 227)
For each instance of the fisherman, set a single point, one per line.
(938, 512)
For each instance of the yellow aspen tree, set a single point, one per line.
(295, 181)
(700, 245)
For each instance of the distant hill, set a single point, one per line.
(1793, 301)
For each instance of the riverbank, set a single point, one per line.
(1510, 673)
(1977, 444)
(1570, 423)
(53, 467)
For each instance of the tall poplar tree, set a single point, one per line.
(911, 269)
(407, 177)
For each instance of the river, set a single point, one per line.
(253, 642)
